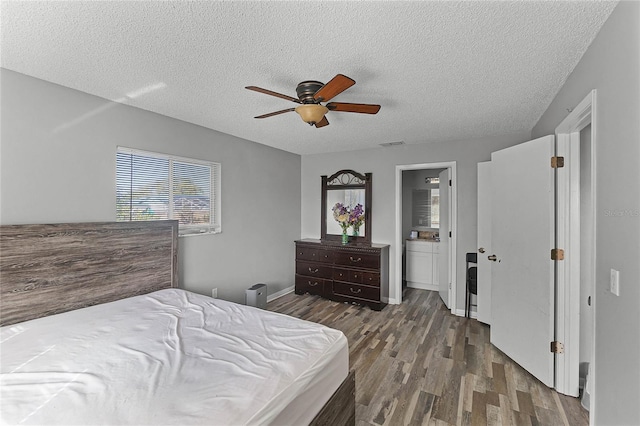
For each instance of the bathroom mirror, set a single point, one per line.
(425, 212)
(350, 189)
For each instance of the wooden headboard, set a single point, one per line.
(49, 269)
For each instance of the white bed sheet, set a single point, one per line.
(168, 357)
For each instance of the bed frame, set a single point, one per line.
(49, 269)
(55, 268)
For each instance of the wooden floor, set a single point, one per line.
(417, 364)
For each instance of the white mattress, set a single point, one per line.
(169, 357)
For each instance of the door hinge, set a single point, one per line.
(557, 254)
(449, 234)
(557, 162)
(449, 182)
(557, 347)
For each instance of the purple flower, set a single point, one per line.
(347, 216)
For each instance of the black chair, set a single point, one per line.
(472, 282)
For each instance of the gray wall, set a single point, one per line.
(382, 163)
(611, 65)
(58, 150)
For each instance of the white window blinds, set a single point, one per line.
(152, 186)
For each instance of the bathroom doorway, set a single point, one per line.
(425, 230)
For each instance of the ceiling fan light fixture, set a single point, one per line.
(311, 113)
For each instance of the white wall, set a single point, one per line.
(382, 163)
(58, 150)
(612, 66)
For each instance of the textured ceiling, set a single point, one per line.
(442, 71)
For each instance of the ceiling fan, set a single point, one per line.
(310, 95)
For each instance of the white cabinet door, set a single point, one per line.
(436, 270)
(419, 268)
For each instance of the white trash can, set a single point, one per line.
(256, 296)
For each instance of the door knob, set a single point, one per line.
(492, 258)
(481, 249)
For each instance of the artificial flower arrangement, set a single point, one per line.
(347, 216)
(356, 218)
(341, 215)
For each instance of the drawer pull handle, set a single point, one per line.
(313, 284)
(313, 271)
(355, 292)
(355, 275)
(355, 260)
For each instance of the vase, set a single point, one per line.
(356, 232)
(345, 237)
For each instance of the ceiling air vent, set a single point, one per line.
(388, 144)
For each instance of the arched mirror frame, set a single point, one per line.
(341, 180)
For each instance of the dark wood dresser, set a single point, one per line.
(355, 273)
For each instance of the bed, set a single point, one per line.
(96, 331)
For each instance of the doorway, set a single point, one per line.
(571, 308)
(447, 248)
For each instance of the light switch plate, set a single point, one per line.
(614, 282)
(214, 293)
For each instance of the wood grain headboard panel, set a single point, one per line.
(49, 269)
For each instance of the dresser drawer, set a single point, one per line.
(371, 278)
(341, 274)
(355, 290)
(310, 285)
(312, 269)
(314, 254)
(360, 260)
(325, 256)
(357, 276)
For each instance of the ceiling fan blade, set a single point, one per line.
(347, 107)
(337, 85)
(271, 114)
(272, 93)
(322, 123)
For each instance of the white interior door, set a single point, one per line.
(484, 242)
(444, 279)
(523, 229)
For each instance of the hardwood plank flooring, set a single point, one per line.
(416, 364)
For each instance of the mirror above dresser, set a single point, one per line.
(346, 189)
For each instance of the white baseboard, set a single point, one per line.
(280, 293)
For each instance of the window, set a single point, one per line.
(152, 186)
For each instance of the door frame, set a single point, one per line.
(395, 294)
(568, 238)
(483, 310)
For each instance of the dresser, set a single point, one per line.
(354, 273)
